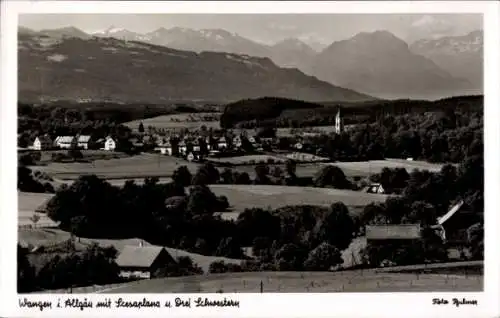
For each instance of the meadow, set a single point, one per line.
(190, 121)
(366, 168)
(268, 196)
(300, 282)
(136, 167)
(28, 203)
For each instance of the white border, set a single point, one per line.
(270, 305)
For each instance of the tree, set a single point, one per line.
(25, 271)
(227, 176)
(323, 257)
(35, 218)
(241, 178)
(141, 127)
(336, 227)
(291, 257)
(229, 247)
(202, 200)
(276, 172)
(475, 240)
(182, 176)
(331, 176)
(291, 168)
(261, 172)
(206, 174)
(256, 222)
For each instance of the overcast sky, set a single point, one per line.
(270, 28)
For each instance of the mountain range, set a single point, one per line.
(55, 66)
(376, 63)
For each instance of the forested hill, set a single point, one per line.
(280, 112)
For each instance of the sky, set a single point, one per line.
(271, 28)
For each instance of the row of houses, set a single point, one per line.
(189, 144)
(67, 142)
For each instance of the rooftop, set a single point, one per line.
(138, 256)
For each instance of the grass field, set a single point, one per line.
(262, 196)
(135, 167)
(365, 168)
(91, 154)
(28, 203)
(300, 282)
(191, 121)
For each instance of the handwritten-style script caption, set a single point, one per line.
(108, 303)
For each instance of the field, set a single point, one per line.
(262, 196)
(300, 282)
(91, 154)
(136, 167)
(365, 168)
(28, 203)
(191, 121)
(52, 236)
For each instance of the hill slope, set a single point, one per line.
(109, 69)
(381, 64)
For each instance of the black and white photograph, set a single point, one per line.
(250, 153)
(235, 153)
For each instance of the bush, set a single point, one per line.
(323, 257)
(219, 267)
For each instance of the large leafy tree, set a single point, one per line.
(323, 257)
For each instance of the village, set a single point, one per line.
(197, 145)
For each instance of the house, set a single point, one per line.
(237, 142)
(165, 148)
(182, 147)
(64, 142)
(453, 226)
(298, 145)
(83, 141)
(222, 143)
(196, 145)
(208, 142)
(142, 261)
(42, 143)
(392, 232)
(374, 188)
(110, 144)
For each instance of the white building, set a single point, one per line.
(64, 142)
(109, 144)
(222, 143)
(42, 143)
(165, 148)
(339, 123)
(83, 141)
(182, 147)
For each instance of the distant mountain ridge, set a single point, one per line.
(461, 56)
(376, 63)
(95, 68)
(381, 64)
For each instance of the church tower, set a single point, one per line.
(339, 123)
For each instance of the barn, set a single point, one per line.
(390, 232)
(453, 225)
(142, 261)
